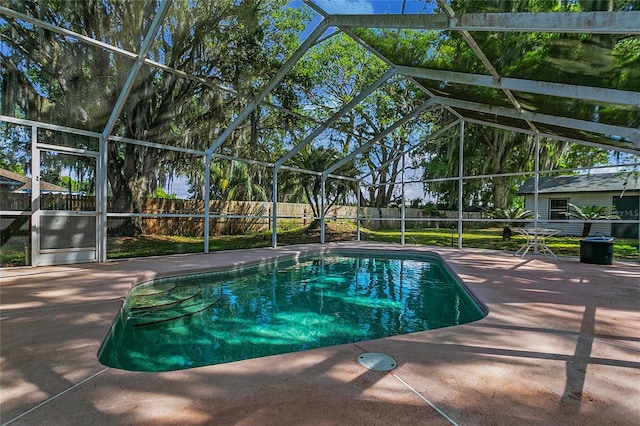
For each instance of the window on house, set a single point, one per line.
(557, 208)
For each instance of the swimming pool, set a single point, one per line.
(285, 306)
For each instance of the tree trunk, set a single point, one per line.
(499, 192)
(129, 182)
(314, 225)
(586, 228)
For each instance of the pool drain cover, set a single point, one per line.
(376, 361)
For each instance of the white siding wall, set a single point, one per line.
(579, 199)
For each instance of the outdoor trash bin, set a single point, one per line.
(598, 250)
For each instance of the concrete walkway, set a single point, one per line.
(561, 345)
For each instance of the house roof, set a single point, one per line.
(22, 183)
(599, 182)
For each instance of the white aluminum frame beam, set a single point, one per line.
(379, 136)
(102, 166)
(460, 184)
(625, 22)
(499, 126)
(35, 198)
(391, 64)
(63, 31)
(384, 59)
(280, 74)
(206, 192)
(563, 90)
(554, 137)
(330, 121)
(527, 173)
(439, 132)
(55, 127)
(403, 207)
(570, 123)
(133, 73)
(155, 145)
(77, 36)
(466, 35)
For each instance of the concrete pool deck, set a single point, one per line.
(561, 345)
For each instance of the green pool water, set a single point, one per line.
(286, 306)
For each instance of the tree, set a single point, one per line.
(340, 69)
(162, 194)
(490, 151)
(536, 56)
(320, 159)
(591, 213)
(232, 181)
(236, 44)
(511, 213)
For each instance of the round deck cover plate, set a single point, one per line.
(376, 361)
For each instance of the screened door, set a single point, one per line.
(65, 210)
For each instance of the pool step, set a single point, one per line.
(163, 299)
(153, 290)
(173, 305)
(172, 315)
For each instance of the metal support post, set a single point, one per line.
(402, 208)
(35, 198)
(206, 196)
(358, 212)
(274, 213)
(322, 230)
(460, 183)
(535, 194)
(101, 200)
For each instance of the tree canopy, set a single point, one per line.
(209, 61)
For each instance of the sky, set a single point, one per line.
(347, 6)
(180, 187)
(376, 6)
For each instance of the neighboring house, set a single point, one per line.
(621, 190)
(21, 184)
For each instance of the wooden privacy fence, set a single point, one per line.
(224, 220)
(224, 215)
(22, 201)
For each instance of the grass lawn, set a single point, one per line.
(490, 238)
(154, 245)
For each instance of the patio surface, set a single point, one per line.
(561, 345)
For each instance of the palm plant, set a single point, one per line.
(591, 213)
(318, 159)
(511, 213)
